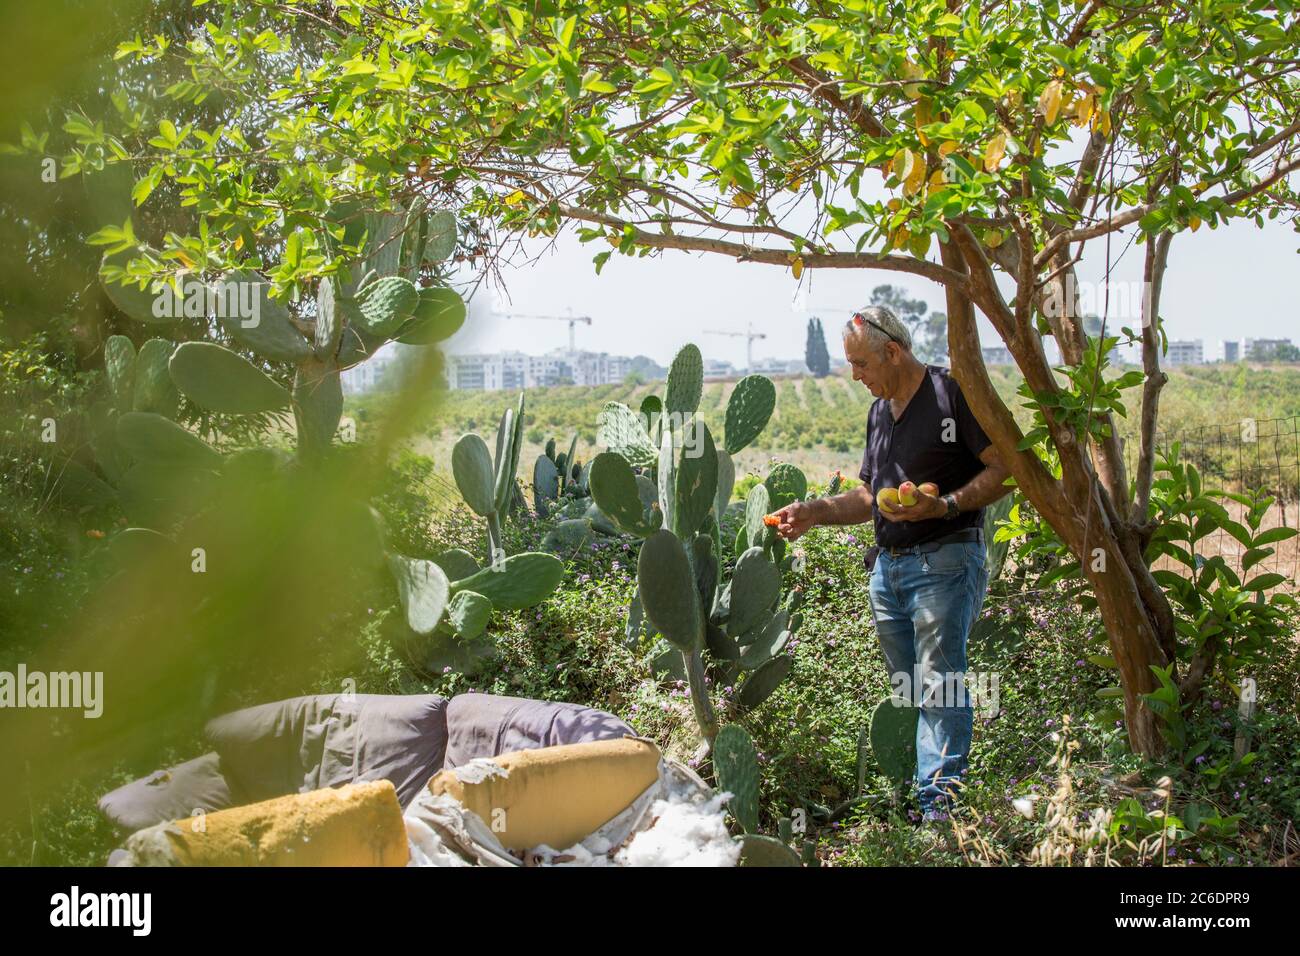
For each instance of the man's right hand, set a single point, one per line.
(796, 520)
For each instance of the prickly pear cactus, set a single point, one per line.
(893, 738)
(685, 382)
(620, 430)
(735, 765)
(748, 411)
(354, 317)
(666, 587)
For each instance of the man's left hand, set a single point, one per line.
(927, 507)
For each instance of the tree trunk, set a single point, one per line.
(1083, 524)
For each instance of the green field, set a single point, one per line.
(819, 424)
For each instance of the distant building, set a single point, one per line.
(998, 355)
(1185, 352)
(775, 366)
(1265, 350)
(715, 369)
(515, 370)
(365, 376)
(1231, 350)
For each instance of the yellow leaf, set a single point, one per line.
(901, 164)
(946, 148)
(1101, 122)
(1195, 223)
(900, 236)
(515, 198)
(1015, 98)
(895, 205)
(1200, 186)
(189, 263)
(911, 71)
(915, 176)
(796, 267)
(1049, 103)
(795, 184)
(922, 119)
(743, 200)
(994, 152)
(1083, 110)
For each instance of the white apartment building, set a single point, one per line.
(1185, 352)
(514, 370)
(1262, 350)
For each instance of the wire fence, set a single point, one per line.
(1252, 454)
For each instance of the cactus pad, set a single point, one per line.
(153, 438)
(666, 586)
(893, 738)
(471, 466)
(785, 483)
(619, 429)
(520, 581)
(685, 382)
(423, 590)
(764, 681)
(735, 765)
(154, 389)
(748, 411)
(218, 380)
(614, 489)
(438, 316)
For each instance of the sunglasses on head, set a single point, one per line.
(859, 320)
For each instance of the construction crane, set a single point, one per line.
(571, 319)
(748, 335)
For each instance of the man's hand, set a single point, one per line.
(926, 508)
(796, 520)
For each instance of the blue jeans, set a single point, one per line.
(923, 606)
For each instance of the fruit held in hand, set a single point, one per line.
(907, 494)
(887, 498)
(771, 520)
(929, 488)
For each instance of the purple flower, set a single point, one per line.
(1216, 705)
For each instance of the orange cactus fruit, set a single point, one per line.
(907, 494)
(771, 520)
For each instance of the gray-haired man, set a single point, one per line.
(927, 575)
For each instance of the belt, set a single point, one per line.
(957, 537)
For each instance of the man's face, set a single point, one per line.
(877, 370)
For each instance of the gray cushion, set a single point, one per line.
(484, 725)
(327, 740)
(168, 795)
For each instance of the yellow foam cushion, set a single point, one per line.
(356, 825)
(553, 795)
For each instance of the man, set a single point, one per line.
(927, 574)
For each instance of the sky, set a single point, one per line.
(1232, 282)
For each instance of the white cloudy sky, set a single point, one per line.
(1233, 282)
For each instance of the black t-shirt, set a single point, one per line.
(938, 440)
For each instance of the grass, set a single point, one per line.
(573, 648)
